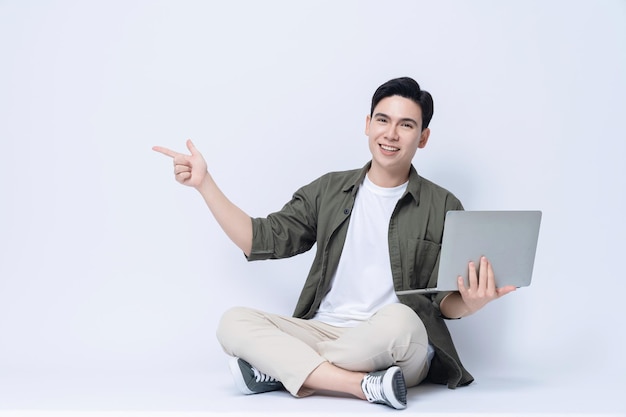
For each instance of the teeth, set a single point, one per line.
(389, 148)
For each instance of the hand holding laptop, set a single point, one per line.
(482, 286)
(507, 238)
(480, 290)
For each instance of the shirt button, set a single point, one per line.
(346, 211)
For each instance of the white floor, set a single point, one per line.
(211, 394)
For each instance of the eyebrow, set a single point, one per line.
(405, 119)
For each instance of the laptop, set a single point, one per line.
(507, 238)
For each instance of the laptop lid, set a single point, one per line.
(507, 238)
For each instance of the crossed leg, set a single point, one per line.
(309, 356)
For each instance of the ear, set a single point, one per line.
(424, 138)
(367, 124)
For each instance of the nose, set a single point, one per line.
(392, 132)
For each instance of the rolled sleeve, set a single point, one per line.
(285, 233)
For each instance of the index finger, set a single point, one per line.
(165, 151)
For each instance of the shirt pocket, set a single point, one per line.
(422, 256)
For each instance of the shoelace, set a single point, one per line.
(373, 388)
(261, 377)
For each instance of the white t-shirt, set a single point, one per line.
(363, 283)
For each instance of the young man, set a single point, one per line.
(378, 230)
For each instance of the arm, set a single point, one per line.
(482, 290)
(191, 170)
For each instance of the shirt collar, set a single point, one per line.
(413, 187)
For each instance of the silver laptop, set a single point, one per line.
(507, 238)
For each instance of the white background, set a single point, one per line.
(107, 265)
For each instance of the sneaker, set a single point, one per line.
(250, 380)
(385, 387)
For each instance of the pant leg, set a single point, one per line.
(280, 346)
(289, 349)
(394, 335)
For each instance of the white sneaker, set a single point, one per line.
(385, 387)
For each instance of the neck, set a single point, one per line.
(387, 179)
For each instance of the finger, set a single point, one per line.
(183, 176)
(483, 273)
(181, 168)
(505, 290)
(491, 279)
(473, 277)
(165, 151)
(461, 285)
(192, 148)
(181, 159)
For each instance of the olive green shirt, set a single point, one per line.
(319, 213)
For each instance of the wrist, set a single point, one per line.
(205, 183)
(453, 306)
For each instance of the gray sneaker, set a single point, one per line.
(385, 387)
(250, 380)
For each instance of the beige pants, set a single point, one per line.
(289, 349)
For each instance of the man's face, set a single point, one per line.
(395, 133)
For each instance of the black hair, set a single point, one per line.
(408, 88)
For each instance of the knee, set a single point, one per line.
(405, 321)
(230, 326)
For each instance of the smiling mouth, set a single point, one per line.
(389, 148)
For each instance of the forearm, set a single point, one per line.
(453, 306)
(235, 222)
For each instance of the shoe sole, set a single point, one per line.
(240, 383)
(393, 379)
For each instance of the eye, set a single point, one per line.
(381, 120)
(407, 125)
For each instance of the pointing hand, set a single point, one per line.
(188, 169)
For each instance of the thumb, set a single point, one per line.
(192, 148)
(505, 290)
